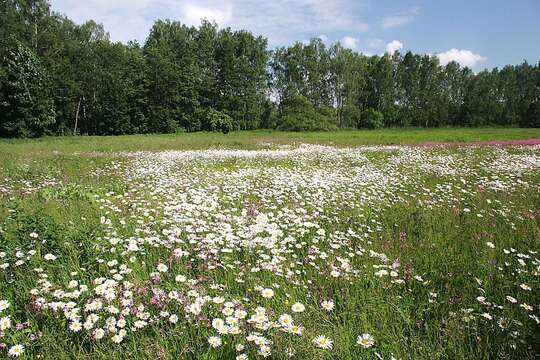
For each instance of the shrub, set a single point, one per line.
(533, 115)
(351, 116)
(373, 119)
(218, 121)
(299, 114)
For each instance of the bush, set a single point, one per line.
(299, 114)
(218, 121)
(532, 118)
(162, 120)
(373, 119)
(351, 116)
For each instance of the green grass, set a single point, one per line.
(432, 213)
(253, 139)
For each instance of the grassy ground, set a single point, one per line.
(433, 252)
(253, 139)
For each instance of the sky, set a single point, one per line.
(476, 33)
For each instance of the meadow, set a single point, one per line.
(340, 245)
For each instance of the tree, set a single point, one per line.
(241, 78)
(170, 52)
(206, 78)
(533, 115)
(25, 102)
(25, 21)
(348, 85)
(484, 102)
(119, 105)
(206, 39)
(381, 86)
(455, 81)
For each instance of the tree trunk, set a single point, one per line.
(77, 117)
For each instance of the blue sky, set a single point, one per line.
(476, 33)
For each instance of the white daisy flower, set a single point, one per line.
(16, 350)
(327, 305)
(323, 342)
(215, 341)
(365, 341)
(298, 307)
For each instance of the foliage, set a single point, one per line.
(169, 83)
(533, 115)
(218, 121)
(299, 114)
(373, 119)
(25, 101)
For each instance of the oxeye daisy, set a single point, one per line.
(121, 323)
(98, 333)
(75, 326)
(264, 351)
(296, 330)
(162, 268)
(365, 341)
(4, 304)
(218, 300)
(49, 257)
(285, 320)
(16, 350)
(227, 311)
(139, 324)
(525, 287)
(117, 339)
(298, 307)
(218, 323)
(487, 316)
(327, 305)
(323, 342)
(215, 341)
(173, 319)
(240, 314)
(5, 323)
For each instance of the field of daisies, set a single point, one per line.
(282, 251)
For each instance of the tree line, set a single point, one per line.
(58, 77)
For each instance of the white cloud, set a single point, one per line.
(400, 19)
(463, 57)
(350, 42)
(282, 21)
(394, 46)
(192, 14)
